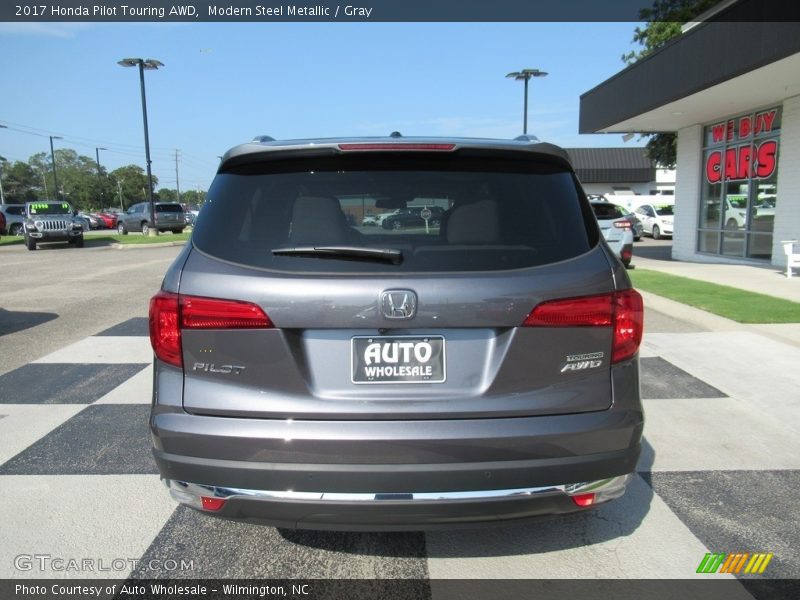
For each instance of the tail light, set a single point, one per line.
(622, 224)
(623, 311)
(170, 313)
(583, 500)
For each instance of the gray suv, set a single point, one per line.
(312, 372)
(169, 217)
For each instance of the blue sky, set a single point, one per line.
(224, 83)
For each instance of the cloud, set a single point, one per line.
(58, 30)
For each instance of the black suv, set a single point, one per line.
(312, 372)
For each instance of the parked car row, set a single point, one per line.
(14, 215)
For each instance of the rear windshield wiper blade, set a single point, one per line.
(391, 255)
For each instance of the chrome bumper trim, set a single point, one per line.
(190, 493)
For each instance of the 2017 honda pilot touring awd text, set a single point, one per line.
(313, 372)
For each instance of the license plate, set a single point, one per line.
(397, 359)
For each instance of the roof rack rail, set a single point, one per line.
(526, 137)
(395, 134)
(263, 138)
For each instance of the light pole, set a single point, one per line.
(53, 158)
(2, 163)
(525, 75)
(99, 179)
(2, 160)
(150, 65)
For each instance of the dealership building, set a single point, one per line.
(729, 86)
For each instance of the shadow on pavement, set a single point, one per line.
(12, 321)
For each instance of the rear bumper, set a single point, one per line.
(371, 511)
(348, 474)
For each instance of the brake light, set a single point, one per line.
(170, 313)
(165, 333)
(624, 311)
(212, 313)
(396, 146)
(622, 224)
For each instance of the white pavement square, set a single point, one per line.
(136, 390)
(95, 517)
(24, 424)
(104, 350)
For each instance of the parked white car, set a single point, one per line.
(616, 228)
(656, 219)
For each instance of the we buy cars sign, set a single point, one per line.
(745, 160)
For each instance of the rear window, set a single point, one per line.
(443, 213)
(608, 211)
(15, 210)
(168, 208)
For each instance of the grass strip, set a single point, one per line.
(732, 303)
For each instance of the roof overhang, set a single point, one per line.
(711, 71)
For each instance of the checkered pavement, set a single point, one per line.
(719, 471)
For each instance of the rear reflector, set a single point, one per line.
(170, 313)
(212, 503)
(624, 311)
(582, 500)
(397, 146)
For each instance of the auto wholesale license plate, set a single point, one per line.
(397, 359)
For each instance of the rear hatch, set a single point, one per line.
(169, 214)
(336, 320)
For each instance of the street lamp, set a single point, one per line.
(53, 158)
(2, 163)
(525, 75)
(150, 65)
(99, 180)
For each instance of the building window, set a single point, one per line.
(740, 183)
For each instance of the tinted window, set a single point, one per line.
(168, 208)
(15, 210)
(607, 211)
(664, 210)
(481, 214)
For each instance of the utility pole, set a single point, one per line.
(46, 194)
(119, 190)
(177, 181)
(99, 178)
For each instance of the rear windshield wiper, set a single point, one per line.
(390, 255)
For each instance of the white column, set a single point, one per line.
(787, 208)
(687, 192)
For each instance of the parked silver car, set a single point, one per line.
(15, 218)
(169, 217)
(314, 374)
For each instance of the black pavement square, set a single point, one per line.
(227, 549)
(103, 439)
(662, 379)
(135, 326)
(738, 511)
(63, 383)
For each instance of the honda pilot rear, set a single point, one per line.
(478, 363)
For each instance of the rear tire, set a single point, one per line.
(30, 243)
(396, 225)
(176, 231)
(121, 229)
(656, 232)
(145, 229)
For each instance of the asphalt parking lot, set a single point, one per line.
(720, 457)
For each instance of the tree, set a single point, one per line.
(167, 195)
(664, 22)
(132, 180)
(20, 183)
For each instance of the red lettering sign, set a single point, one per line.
(740, 163)
(744, 127)
(718, 132)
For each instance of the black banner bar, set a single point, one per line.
(268, 11)
(710, 587)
